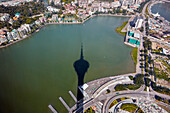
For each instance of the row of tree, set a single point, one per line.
(138, 81)
(26, 9)
(160, 89)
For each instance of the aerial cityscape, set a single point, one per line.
(85, 56)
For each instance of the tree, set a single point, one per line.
(108, 91)
(141, 59)
(118, 10)
(138, 80)
(160, 21)
(147, 81)
(40, 1)
(29, 20)
(52, 3)
(124, 11)
(144, 38)
(120, 87)
(16, 24)
(131, 77)
(158, 98)
(63, 8)
(156, 18)
(113, 10)
(60, 12)
(141, 30)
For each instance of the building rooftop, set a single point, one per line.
(17, 14)
(130, 33)
(133, 41)
(137, 35)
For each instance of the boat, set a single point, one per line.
(156, 15)
(37, 30)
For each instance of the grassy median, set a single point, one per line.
(134, 54)
(131, 108)
(118, 29)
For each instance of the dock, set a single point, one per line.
(72, 95)
(64, 103)
(52, 109)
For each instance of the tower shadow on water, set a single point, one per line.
(81, 66)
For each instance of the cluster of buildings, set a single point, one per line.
(99, 6)
(5, 17)
(159, 29)
(116, 3)
(133, 38)
(15, 34)
(156, 47)
(133, 34)
(159, 34)
(161, 64)
(14, 2)
(71, 13)
(23, 31)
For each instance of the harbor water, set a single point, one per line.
(35, 72)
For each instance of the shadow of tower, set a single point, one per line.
(81, 66)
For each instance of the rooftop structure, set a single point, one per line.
(131, 34)
(133, 41)
(137, 35)
(139, 23)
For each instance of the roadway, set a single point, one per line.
(130, 94)
(111, 96)
(124, 29)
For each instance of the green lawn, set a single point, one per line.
(130, 108)
(115, 101)
(89, 110)
(134, 54)
(146, 11)
(118, 29)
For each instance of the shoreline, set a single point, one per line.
(53, 23)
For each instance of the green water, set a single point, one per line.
(37, 70)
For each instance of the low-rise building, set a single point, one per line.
(3, 39)
(15, 34)
(115, 4)
(139, 23)
(9, 37)
(137, 35)
(55, 17)
(52, 9)
(42, 19)
(4, 17)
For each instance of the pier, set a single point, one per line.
(72, 95)
(64, 103)
(52, 109)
